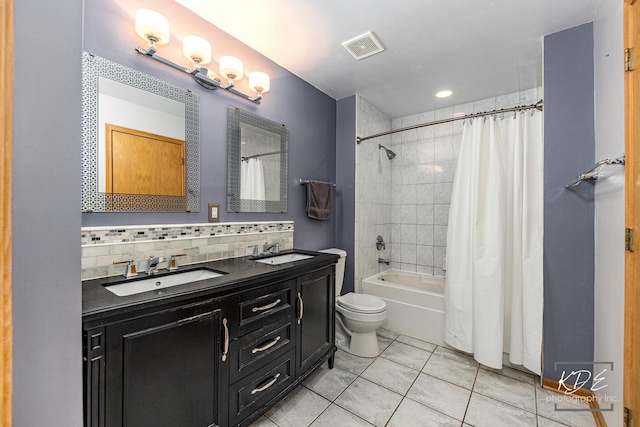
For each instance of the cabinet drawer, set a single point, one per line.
(268, 302)
(251, 393)
(258, 348)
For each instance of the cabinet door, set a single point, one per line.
(315, 293)
(94, 377)
(162, 369)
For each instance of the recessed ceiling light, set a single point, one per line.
(444, 93)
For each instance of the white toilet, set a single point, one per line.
(357, 316)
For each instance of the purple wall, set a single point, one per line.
(47, 349)
(309, 114)
(346, 180)
(568, 214)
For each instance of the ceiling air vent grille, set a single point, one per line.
(363, 46)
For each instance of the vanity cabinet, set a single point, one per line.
(316, 326)
(159, 368)
(262, 352)
(220, 359)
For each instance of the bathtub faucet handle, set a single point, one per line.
(380, 245)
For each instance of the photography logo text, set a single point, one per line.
(587, 384)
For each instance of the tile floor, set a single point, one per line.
(415, 383)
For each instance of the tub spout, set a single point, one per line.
(383, 261)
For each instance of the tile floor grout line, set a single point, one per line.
(445, 356)
(346, 409)
(521, 380)
(406, 394)
(506, 403)
(548, 418)
(320, 414)
(433, 409)
(475, 378)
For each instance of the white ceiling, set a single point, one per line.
(476, 48)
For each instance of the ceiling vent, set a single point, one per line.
(363, 46)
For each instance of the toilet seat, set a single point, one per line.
(361, 303)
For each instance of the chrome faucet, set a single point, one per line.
(172, 264)
(383, 261)
(152, 264)
(131, 268)
(272, 248)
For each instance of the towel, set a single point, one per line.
(319, 199)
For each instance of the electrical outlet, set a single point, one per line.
(214, 212)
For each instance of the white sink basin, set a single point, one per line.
(161, 282)
(283, 259)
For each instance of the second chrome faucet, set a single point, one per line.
(152, 264)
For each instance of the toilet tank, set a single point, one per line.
(339, 266)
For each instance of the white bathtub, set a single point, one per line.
(415, 303)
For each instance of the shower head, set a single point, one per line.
(390, 154)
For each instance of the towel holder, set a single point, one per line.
(306, 181)
(594, 172)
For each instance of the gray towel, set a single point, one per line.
(319, 199)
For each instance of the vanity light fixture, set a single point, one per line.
(197, 50)
(154, 28)
(231, 68)
(259, 82)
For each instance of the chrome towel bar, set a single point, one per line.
(594, 172)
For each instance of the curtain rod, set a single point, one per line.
(538, 106)
(260, 155)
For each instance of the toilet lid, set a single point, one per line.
(361, 303)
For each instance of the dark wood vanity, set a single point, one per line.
(219, 352)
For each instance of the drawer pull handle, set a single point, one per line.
(225, 350)
(266, 346)
(301, 308)
(266, 386)
(266, 307)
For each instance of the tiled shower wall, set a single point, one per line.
(102, 246)
(419, 193)
(373, 192)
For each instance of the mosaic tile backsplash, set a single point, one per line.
(102, 246)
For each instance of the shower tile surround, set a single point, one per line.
(102, 246)
(406, 200)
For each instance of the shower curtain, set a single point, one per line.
(494, 290)
(252, 180)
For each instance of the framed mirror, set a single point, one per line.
(256, 163)
(140, 141)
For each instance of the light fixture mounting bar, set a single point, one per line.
(198, 74)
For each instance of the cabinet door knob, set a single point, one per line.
(266, 386)
(266, 346)
(301, 308)
(266, 307)
(225, 350)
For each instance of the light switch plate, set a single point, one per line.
(214, 212)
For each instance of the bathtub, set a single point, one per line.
(415, 303)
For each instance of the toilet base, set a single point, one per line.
(362, 344)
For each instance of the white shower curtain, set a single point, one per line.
(252, 180)
(494, 290)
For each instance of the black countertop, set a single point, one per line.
(240, 273)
